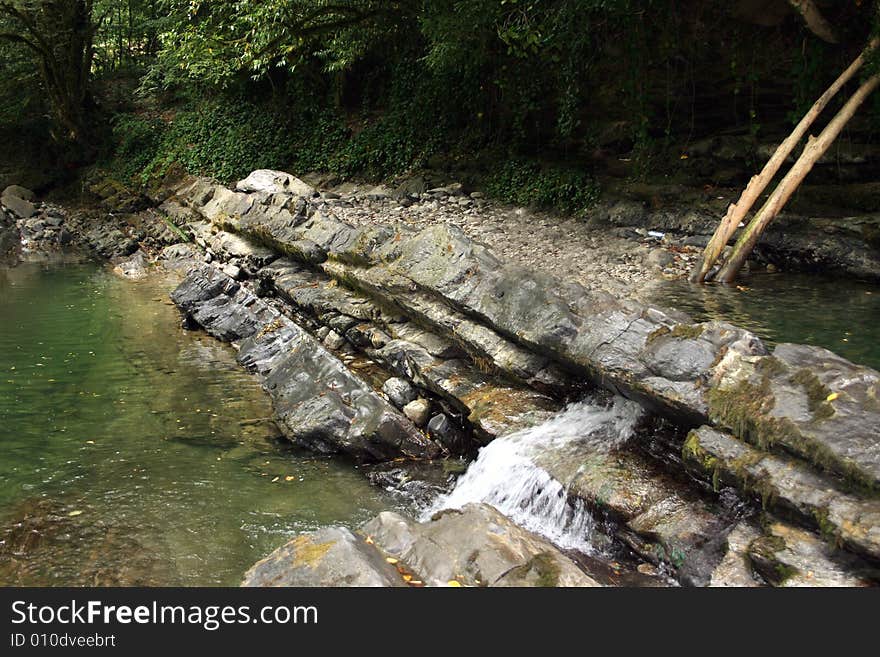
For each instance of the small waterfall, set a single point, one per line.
(505, 475)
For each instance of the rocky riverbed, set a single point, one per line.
(382, 330)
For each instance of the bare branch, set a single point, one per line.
(814, 20)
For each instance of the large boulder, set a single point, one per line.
(331, 556)
(274, 182)
(18, 201)
(474, 546)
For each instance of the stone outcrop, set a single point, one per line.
(788, 485)
(18, 201)
(476, 546)
(692, 373)
(319, 402)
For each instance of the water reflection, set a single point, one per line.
(839, 314)
(135, 453)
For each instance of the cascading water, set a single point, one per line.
(506, 476)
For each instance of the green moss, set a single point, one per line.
(817, 394)
(770, 366)
(544, 567)
(681, 331)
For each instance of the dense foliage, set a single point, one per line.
(540, 92)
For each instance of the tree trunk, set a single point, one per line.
(60, 34)
(737, 212)
(815, 149)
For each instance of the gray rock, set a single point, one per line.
(788, 485)
(273, 182)
(400, 391)
(21, 192)
(334, 341)
(791, 557)
(735, 569)
(660, 258)
(331, 556)
(418, 411)
(447, 433)
(320, 404)
(18, 206)
(135, 267)
(476, 546)
(233, 271)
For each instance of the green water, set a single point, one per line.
(135, 453)
(842, 315)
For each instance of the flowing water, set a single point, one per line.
(505, 474)
(135, 453)
(842, 315)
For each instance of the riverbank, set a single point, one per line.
(494, 349)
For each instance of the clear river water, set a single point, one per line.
(133, 452)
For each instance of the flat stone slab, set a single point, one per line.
(319, 402)
(20, 207)
(787, 484)
(792, 557)
(474, 546)
(331, 556)
(809, 401)
(432, 362)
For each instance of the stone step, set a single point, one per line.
(492, 406)
(320, 403)
(789, 485)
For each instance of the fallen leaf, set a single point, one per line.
(289, 478)
(368, 540)
(391, 560)
(832, 396)
(454, 583)
(407, 578)
(74, 514)
(275, 479)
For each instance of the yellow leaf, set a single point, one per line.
(74, 514)
(832, 396)
(407, 578)
(683, 156)
(368, 540)
(275, 479)
(289, 478)
(454, 583)
(90, 442)
(391, 560)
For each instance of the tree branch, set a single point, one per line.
(814, 20)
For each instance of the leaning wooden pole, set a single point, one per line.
(815, 149)
(736, 212)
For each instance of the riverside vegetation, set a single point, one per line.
(484, 290)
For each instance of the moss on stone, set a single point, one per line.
(817, 394)
(681, 331)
